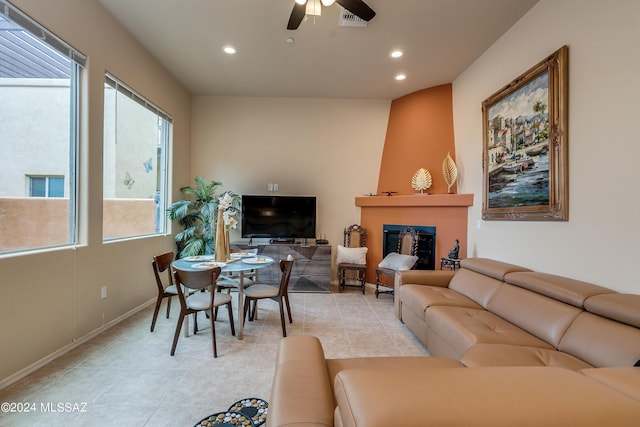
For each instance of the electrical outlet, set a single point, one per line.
(103, 292)
(270, 187)
(275, 187)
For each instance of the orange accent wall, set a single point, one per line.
(419, 135)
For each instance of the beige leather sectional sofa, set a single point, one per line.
(490, 313)
(510, 347)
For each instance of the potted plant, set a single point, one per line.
(198, 215)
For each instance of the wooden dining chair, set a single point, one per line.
(404, 259)
(352, 257)
(206, 301)
(279, 294)
(166, 288)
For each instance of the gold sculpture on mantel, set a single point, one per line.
(449, 171)
(421, 180)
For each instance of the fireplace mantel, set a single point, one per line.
(417, 200)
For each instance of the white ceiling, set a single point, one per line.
(440, 39)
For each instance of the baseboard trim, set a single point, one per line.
(77, 342)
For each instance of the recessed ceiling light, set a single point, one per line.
(289, 40)
(400, 77)
(396, 53)
(230, 50)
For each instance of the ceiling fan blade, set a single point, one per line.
(358, 8)
(297, 15)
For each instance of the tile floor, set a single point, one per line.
(126, 377)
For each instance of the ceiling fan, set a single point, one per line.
(357, 7)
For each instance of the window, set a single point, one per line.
(46, 186)
(136, 137)
(39, 76)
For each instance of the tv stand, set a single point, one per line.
(311, 269)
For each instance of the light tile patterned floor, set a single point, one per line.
(126, 377)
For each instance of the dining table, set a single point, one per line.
(232, 273)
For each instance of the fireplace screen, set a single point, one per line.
(426, 243)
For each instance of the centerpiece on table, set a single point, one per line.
(226, 221)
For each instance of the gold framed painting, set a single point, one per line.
(525, 155)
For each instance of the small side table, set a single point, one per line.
(450, 263)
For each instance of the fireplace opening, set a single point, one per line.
(426, 243)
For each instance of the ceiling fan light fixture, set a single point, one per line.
(314, 8)
(301, 1)
(327, 3)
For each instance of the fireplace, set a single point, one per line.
(447, 212)
(426, 243)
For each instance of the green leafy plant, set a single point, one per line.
(197, 216)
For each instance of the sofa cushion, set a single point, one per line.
(544, 317)
(419, 297)
(602, 342)
(564, 289)
(624, 308)
(490, 267)
(462, 327)
(497, 397)
(392, 362)
(625, 380)
(516, 355)
(475, 286)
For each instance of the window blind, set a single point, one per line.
(130, 93)
(40, 32)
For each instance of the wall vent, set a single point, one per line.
(348, 19)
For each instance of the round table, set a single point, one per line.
(239, 266)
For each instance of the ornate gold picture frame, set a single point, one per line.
(525, 155)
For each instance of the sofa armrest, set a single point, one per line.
(301, 391)
(440, 278)
(423, 277)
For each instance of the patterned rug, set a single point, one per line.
(250, 412)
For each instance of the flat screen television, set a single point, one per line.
(284, 217)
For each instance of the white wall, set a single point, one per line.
(330, 148)
(599, 243)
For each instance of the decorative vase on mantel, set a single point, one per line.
(221, 250)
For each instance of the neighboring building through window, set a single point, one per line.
(46, 186)
(39, 77)
(137, 135)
